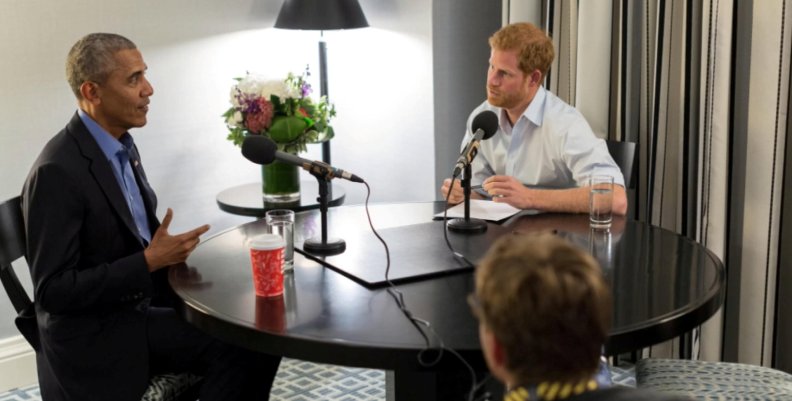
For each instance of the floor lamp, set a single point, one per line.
(321, 15)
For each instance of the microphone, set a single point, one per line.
(262, 150)
(484, 126)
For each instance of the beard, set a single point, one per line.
(504, 100)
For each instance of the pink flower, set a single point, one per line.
(259, 116)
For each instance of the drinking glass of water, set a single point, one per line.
(281, 222)
(601, 201)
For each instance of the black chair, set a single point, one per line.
(175, 387)
(625, 156)
(623, 153)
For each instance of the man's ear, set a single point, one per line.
(498, 352)
(495, 355)
(536, 78)
(90, 92)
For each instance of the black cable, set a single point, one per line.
(456, 254)
(422, 325)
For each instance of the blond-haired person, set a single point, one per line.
(544, 150)
(544, 313)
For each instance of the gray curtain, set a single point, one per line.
(703, 88)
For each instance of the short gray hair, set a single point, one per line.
(92, 58)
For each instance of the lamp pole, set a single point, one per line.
(323, 88)
(321, 15)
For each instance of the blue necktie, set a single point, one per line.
(134, 198)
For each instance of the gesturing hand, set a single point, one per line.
(165, 249)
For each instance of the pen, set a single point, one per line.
(480, 189)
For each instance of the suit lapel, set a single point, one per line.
(102, 172)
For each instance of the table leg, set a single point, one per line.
(407, 386)
(425, 386)
(686, 345)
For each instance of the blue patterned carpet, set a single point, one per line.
(306, 381)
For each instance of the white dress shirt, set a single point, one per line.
(550, 146)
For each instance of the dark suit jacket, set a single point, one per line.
(91, 282)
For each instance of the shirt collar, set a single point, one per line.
(535, 111)
(109, 145)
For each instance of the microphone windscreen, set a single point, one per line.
(487, 121)
(259, 149)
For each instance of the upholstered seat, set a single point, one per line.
(713, 380)
(172, 387)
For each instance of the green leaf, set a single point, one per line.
(236, 136)
(286, 129)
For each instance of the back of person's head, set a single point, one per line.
(534, 48)
(92, 58)
(548, 306)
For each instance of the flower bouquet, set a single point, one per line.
(283, 111)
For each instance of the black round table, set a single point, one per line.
(664, 285)
(247, 200)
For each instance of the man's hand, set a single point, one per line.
(165, 249)
(457, 195)
(506, 189)
(573, 200)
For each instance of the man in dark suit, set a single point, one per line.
(544, 313)
(99, 256)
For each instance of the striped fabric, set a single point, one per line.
(171, 387)
(713, 380)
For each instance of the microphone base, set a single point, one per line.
(333, 246)
(467, 226)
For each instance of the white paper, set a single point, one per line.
(482, 209)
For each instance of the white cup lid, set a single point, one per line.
(266, 241)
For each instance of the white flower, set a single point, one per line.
(230, 122)
(277, 88)
(257, 86)
(234, 120)
(233, 97)
(248, 85)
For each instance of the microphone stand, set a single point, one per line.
(323, 245)
(467, 225)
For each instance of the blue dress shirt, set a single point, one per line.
(119, 154)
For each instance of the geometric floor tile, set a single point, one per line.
(296, 381)
(307, 381)
(29, 393)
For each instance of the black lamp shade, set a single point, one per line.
(321, 15)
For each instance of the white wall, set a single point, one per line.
(380, 79)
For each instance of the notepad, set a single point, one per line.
(482, 209)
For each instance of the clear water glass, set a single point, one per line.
(601, 201)
(281, 222)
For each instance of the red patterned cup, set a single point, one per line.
(266, 259)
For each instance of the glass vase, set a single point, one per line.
(280, 182)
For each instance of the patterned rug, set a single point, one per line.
(306, 381)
